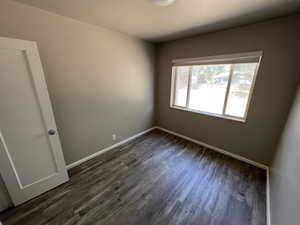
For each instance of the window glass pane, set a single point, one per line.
(241, 82)
(181, 86)
(208, 87)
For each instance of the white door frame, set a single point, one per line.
(40, 186)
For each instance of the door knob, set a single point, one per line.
(51, 132)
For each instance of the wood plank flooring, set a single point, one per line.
(156, 179)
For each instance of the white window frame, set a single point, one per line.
(228, 59)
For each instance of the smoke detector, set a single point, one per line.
(163, 2)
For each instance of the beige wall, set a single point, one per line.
(276, 83)
(285, 176)
(100, 82)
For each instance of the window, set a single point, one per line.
(220, 86)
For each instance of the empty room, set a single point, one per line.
(149, 112)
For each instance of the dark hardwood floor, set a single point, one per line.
(156, 179)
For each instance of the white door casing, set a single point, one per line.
(31, 158)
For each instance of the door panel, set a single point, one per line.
(31, 160)
(21, 106)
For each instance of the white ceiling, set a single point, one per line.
(143, 19)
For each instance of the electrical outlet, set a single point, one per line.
(114, 137)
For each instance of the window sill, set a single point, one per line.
(209, 114)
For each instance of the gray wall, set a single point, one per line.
(100, 82)
(276, 83)
(285, 172)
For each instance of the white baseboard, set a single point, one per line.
(217, 149)
(70, 166)
(241, 158)
(268, 198)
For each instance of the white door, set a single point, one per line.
(31, 158)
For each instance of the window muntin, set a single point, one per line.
(220, 86)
